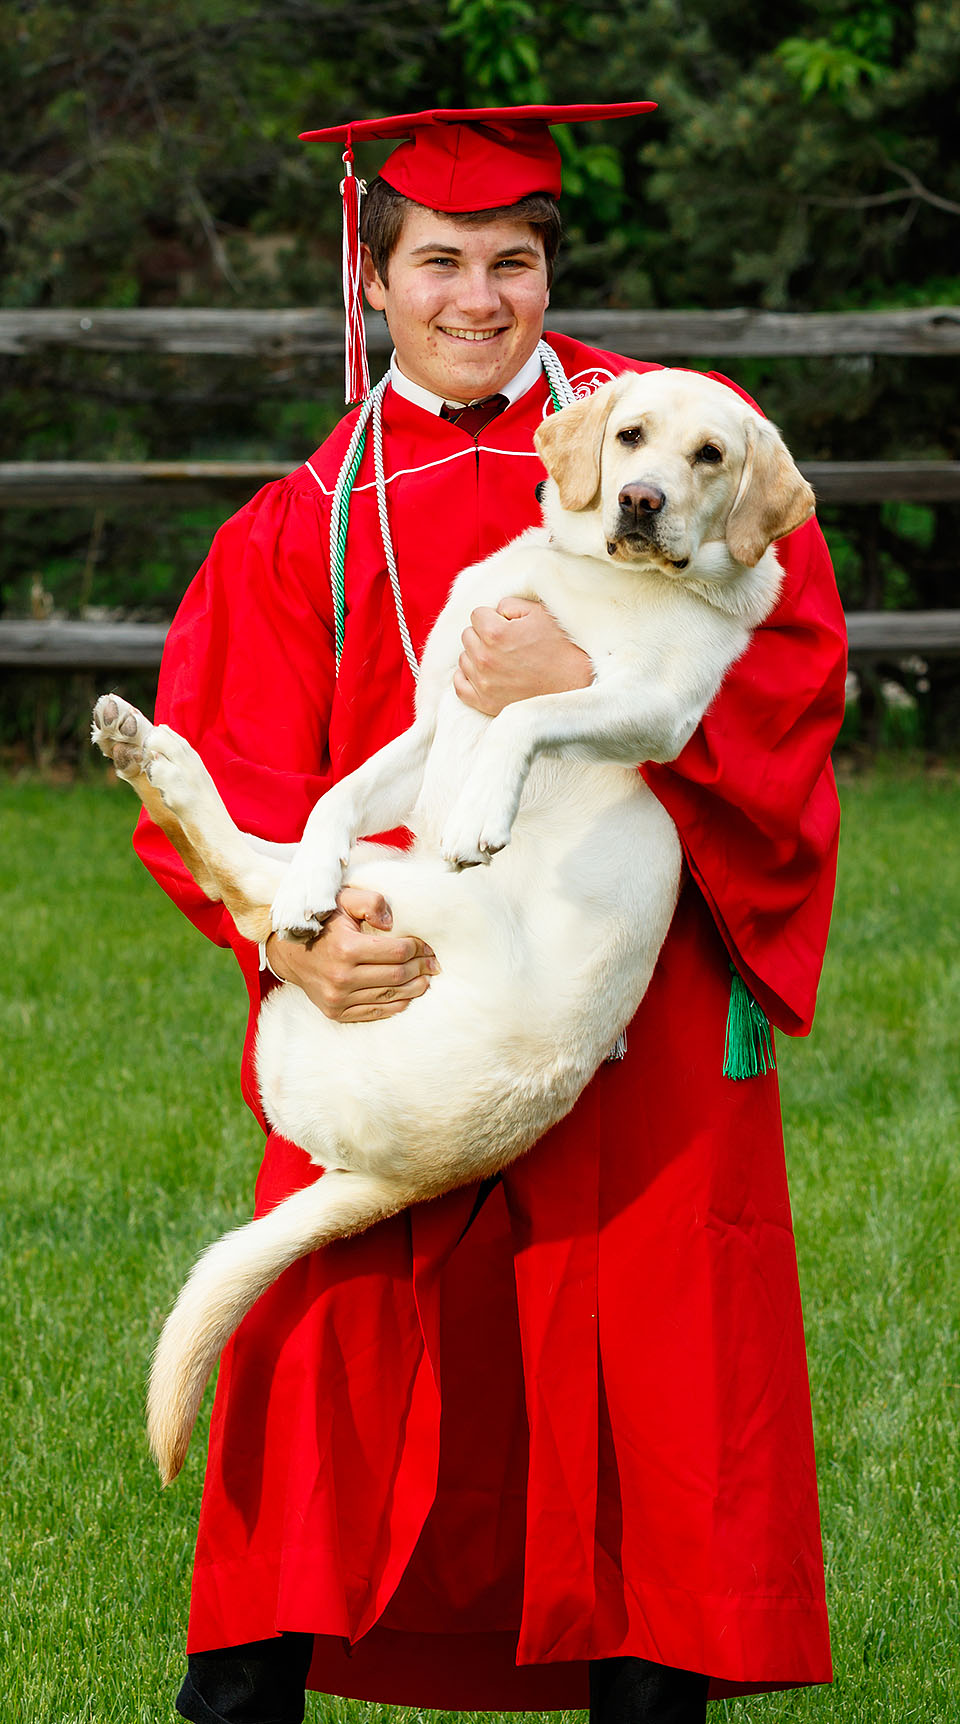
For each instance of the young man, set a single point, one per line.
(552, 1447)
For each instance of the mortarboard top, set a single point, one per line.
(458, 159)
(452, 160)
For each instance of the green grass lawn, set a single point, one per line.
(112, 1185)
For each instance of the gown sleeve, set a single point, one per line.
(247, 677)
(753, 794)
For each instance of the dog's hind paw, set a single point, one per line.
(122, 733)
(175, 769)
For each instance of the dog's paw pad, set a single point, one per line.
(126, 759)
(121, 733)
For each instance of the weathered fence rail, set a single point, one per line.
(930, 330)
(69, 645)
(106, 646)
(64, 484)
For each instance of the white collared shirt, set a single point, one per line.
(525, 379)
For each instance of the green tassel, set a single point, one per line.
(748, 1049)
(341, 502)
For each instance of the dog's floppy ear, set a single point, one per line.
(568, 444)
(773, 496)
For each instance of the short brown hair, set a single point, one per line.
(383, 212)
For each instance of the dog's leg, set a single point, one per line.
(621, 719)
(227, 1280)
(377, 797)
(178, 793)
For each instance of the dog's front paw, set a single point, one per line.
(122, 733)
(472, 836)
(306, 899)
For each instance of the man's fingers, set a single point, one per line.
(513, 608)
(349, 942)
(463, 687)
(364, 998)
(360, 932)
(477, 654)
(382, 979)
(377, 951)
(371, 1014)
(365, 905)
(487, 625)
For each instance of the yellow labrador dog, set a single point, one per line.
(665, 493)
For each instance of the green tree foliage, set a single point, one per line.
(802, 158)
(802, 154)
(144, 146)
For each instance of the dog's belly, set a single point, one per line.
(544, 957)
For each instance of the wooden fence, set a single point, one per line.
(105, 646)
(930, 330)
(281, 339)
(64, 484)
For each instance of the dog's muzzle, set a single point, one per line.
(639, 528)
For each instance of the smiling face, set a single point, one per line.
(464, 304)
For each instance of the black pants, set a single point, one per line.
(634, 1691)
(260, 1683)
(263, 1683)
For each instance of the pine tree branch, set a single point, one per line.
(915, 190)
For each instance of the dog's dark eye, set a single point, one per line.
(709, 452)
(631, 436)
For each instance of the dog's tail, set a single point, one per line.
(227, 1280)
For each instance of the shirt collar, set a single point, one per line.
(525, 379)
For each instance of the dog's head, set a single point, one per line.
(660, 464)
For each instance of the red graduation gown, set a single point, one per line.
(471, 1462)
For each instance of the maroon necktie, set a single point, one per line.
(472, 419)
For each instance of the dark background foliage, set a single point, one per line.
(802, 158)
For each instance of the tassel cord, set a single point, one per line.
(356, 382)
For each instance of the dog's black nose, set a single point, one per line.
(639, 499)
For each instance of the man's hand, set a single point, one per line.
(514, 652)
(356, 970)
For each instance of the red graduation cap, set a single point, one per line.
(451, 159)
